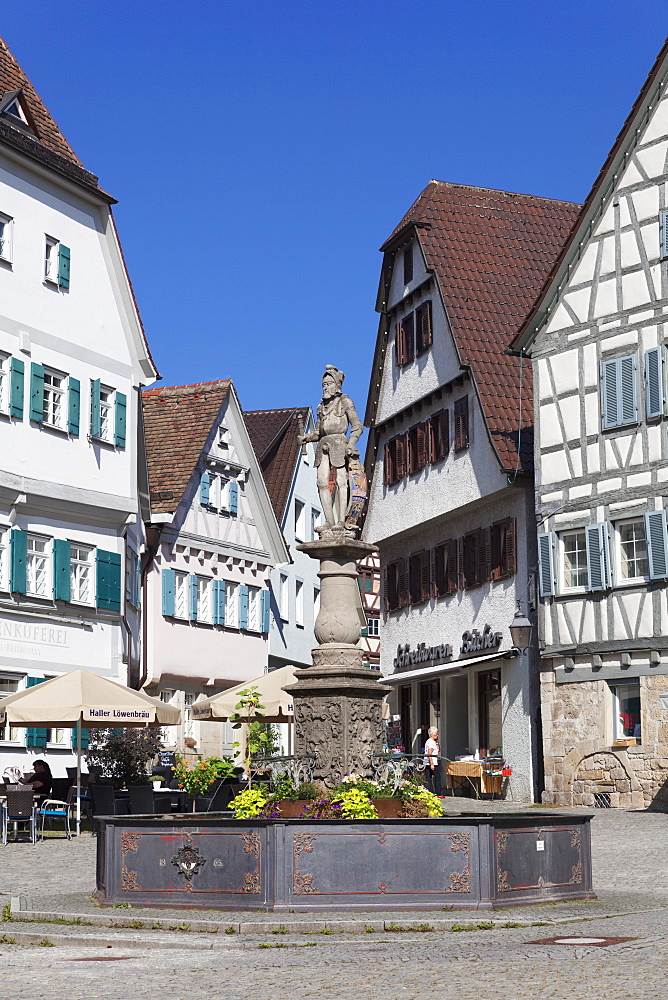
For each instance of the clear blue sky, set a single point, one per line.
(262, 151)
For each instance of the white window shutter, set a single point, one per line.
(654, 391)
(610, 393)
(628, 390)
(598, 557)
(657, 544)
(546, 563)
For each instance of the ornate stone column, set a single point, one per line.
(337, 701)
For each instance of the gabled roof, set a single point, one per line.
(43, 140)
(178, 420)
(596, 199)
(490, 252)
(273, 434)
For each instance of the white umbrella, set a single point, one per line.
(81, 697)
(276, 703)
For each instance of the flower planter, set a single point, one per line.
(293, 808)
(388, 808)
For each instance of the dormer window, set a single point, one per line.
(408, 264)
(14, 109)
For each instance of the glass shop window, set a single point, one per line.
(490, 717)
(626, 710)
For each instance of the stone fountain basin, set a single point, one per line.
(201, 861)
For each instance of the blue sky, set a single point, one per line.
(262, 152)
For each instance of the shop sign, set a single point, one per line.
(407, 657)
(476, 642)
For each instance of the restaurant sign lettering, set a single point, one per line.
(476, 642)
(407, 657)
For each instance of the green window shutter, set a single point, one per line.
(37, 393)
(18, 561)
(168, 592)
(234, 498)
(120, 407)
(63, 266)
(219, 590)
(243, 606)
(73, 405)
(192, 597)
(84, 739)
(108, 580)
(61, 569)
(266, 604)
(95, 419)
(205, 489)
(35, 737)
(16, 380)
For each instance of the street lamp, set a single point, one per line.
(520, 630)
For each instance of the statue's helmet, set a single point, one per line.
(335, 375)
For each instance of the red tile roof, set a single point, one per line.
(273, 434)
(490, 252)
(177, 421)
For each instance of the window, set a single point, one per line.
(4, 382)
(626, 710)
(503, 549)
(180, 595)
(574, 559)
(445, 568)
(475, 559)
(438, 428)
(316, 603)
(419, 576)
(315, 517)
(300, 521)
(396, 585)
(232, 605)
(423, 329)
(395, 460)
(203, 599)
(365, 579)
(56, 263)
(283, 605)
(373, 627)
(106, 407)
(38, 564)
(404, 340)
(632, 550)
(619, 403)
(6, 233)
(299, 603)
(81, 574)
(168, 733)
(53, 400)
(461, 423)
(188, 721)
(108, 414)
(417, 448)
(408, 264)
(4, 558)
(8, 734)
(254, 610)
(59, 737)
(132, 578)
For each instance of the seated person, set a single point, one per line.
(41, 778)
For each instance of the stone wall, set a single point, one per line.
(579, 758)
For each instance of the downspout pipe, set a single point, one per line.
(153, 535)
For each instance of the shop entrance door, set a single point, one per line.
(490, 719)
(405, 702)
(457, 716)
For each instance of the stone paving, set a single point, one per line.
(630, 878)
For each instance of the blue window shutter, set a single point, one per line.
(266, 603)
(16, 379)
(610, 393)
(663, 234)
(657, 544)
(219, 589)
(35, 737)
(95, 419)
(18, 561)
(37, 393)
(598, 556)
(192, 595)
(654, 391)
(84, 738)
(63, 266)
(120, 418)
(628, 389)
(243, 606)
(205, 489)
(108, 580)
(73, 405)
(168, 592)
(234, 498)
(546, 564)
(61, 569)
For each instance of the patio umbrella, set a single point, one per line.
(82, 698)
(277, 703)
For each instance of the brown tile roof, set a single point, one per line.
(178, 420)
(12, 77)
(490, 252)
(273, 434)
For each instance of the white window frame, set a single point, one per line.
(617, 729)
(51, 260)
(620, 580)
(55, 396)
(231, 604)
(204, 599)
(5, 361)
(283, 597)
(6, 239)
(62, 743)
(168, 696)
(14, 735)
(190, 726)
(373, 628)
(77, 566)
(5, 531)
(181, 595)
(223, 439)
(107, 413)
(315, 517)
(299, 603)
(316, 603)
(254, 610)
(563, 588)
(300, 520)
(31, 560)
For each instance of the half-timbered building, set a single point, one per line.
(450, 463)
(597, 336)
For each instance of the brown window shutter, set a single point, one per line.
(483, 546)
(411, 449)
(429, 435)
(414, 567)
(423, 334)
(399, 343)
(427, 328)
(400, 452)
(387, 465)
(402, 588)
(511, 547)
(462, 423)
(386, 595)
(408, 323)
(425, 575)
(408, 264)
(452, 575)
(438, 575)
(440, 435)
(495, 546)
(421, 436)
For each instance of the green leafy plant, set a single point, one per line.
(197, 776)
(123, 754)
(418, 801)
(262, 740)
(355, 804)
(248, 804)
(247, 710)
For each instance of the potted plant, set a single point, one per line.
(123, 755)
(200, 776)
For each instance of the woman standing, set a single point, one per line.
(432, 762)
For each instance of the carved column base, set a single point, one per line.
(338, 713)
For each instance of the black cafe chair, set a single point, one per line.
(19, 808)
(142, 799)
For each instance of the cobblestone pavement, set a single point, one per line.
(630, 878)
